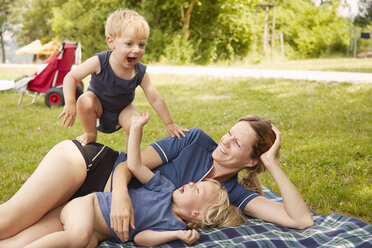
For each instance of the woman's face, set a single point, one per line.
(235, 147)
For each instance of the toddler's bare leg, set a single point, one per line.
(125, 117)
(77, 218)
(57, 178)
(48, 224)
(89, 108)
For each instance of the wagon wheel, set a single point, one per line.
(54, 97)
(81, 83)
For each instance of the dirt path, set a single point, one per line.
(328, 76)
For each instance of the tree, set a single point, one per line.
(187, 31)
(185, 18)
(181, 30)
(364, 17)
(84, 21)
(311, 31)
(200, 31)
(32, 20)
(4, 15)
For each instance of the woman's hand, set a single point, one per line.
(175, 130)
(122, 214)
(188, 236)
(273, 153)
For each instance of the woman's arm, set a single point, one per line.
(150, 238)
(293, 212)
(122, 214)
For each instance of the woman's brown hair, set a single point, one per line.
(265, 138)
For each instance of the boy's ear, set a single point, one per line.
(196, 215)
(110, 42)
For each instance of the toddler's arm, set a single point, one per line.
(152, 238)
(139, 170)
(77, 74)
(161, 107)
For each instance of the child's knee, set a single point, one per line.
(125, 119)
(85, 101)
(79, 238)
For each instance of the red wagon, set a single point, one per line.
(49, 81)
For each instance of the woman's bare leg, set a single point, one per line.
(48, 224)
(89, 108)
(57, 178)
(125, 117)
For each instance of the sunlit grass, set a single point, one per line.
(332, 64)
(326, 128)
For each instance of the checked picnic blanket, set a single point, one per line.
(332, 230)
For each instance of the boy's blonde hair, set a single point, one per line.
(127, 20)
(219, 213)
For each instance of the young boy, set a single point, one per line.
(115, 74)
(161, 212)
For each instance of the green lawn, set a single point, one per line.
(339, 64)
(326, 129)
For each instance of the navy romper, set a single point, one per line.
(113, 92)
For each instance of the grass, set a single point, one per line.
(326, 129)
(332, 64)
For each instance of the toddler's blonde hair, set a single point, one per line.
(219, 212)
(122, 21)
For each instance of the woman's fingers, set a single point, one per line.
(120, 227)
(277, 133)
(120, 223)
(278, 141)
(273, 152)
(132, 220)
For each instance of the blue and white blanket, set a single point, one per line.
(332, 230)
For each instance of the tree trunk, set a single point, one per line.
(186, 19)
(2, 43)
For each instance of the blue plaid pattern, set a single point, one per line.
(332, 230)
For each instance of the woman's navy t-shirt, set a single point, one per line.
(190, 159)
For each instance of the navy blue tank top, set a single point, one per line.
(114, 92)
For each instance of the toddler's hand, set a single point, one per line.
(140, 119)
(69, 111)
(188, 236)
(175, 130)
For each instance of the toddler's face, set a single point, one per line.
(128, 49)
(195, 196)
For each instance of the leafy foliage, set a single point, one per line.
(311, 31)
(84, 21)
(4, 12)
(189, 31)
(365, 13)
(34, 19)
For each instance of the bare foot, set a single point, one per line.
(87, 138)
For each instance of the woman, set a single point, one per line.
(245, 146)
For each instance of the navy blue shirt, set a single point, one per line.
(113, 92)
(152, 204)
(190, 159)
